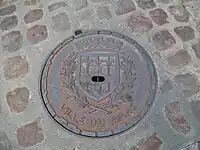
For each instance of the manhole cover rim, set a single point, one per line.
(80, 33)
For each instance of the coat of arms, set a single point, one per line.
(99, 73)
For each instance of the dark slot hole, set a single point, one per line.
(98, 79)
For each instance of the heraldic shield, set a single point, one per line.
(98, 74)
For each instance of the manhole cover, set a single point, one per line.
(98, 83)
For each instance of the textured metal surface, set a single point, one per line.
(98, 83)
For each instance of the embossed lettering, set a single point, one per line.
(81, 120)
(98, 122)
(68, 112)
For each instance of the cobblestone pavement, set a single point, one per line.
(170, 29)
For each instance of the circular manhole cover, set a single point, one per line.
(98, 83)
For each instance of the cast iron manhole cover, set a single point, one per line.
(98, 83)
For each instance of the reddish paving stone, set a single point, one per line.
(138, 22)
(9, 23)
(33, 15)
(159, 16)
(179, 59)
(189, 83)
(185, 33)
(163, 40)
(196, 48)
(17, 99)
(12, 41)
(146, 4)
(30, 134)
(176, 118)
(179, 12)
(37, 34)
(124, 7)
(15, 67)
(151, 143)
(7, 10)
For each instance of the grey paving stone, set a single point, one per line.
(12, 41)
(185, 33)
(61, 22)
(103, 12)
(166, 86)
(179, 12)
(146, 4)
(56, 6)
(124, 7)
(196, 48)
(9, 23)
(78, 4)
(33, 15)
(189, 83)
(7, 10)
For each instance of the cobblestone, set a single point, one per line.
(9, 23)
(176, 118)
(179, 12)
(124, 7)
(37, 34)
(138, 22)
(61, 22)
(189, 83)
(56, 6)
(12, 41)
(185, 33)
(146, 4)
(103, 12)
(33, 15)
(78, 4)
(166, 86)
(18, 99)
(151, 143)
(30, 134)
(163, 40)
(31, 2)
(15, 67)
(7, 10)
(159, 16)
(179, 59)
(196, 48)
(85, 15)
